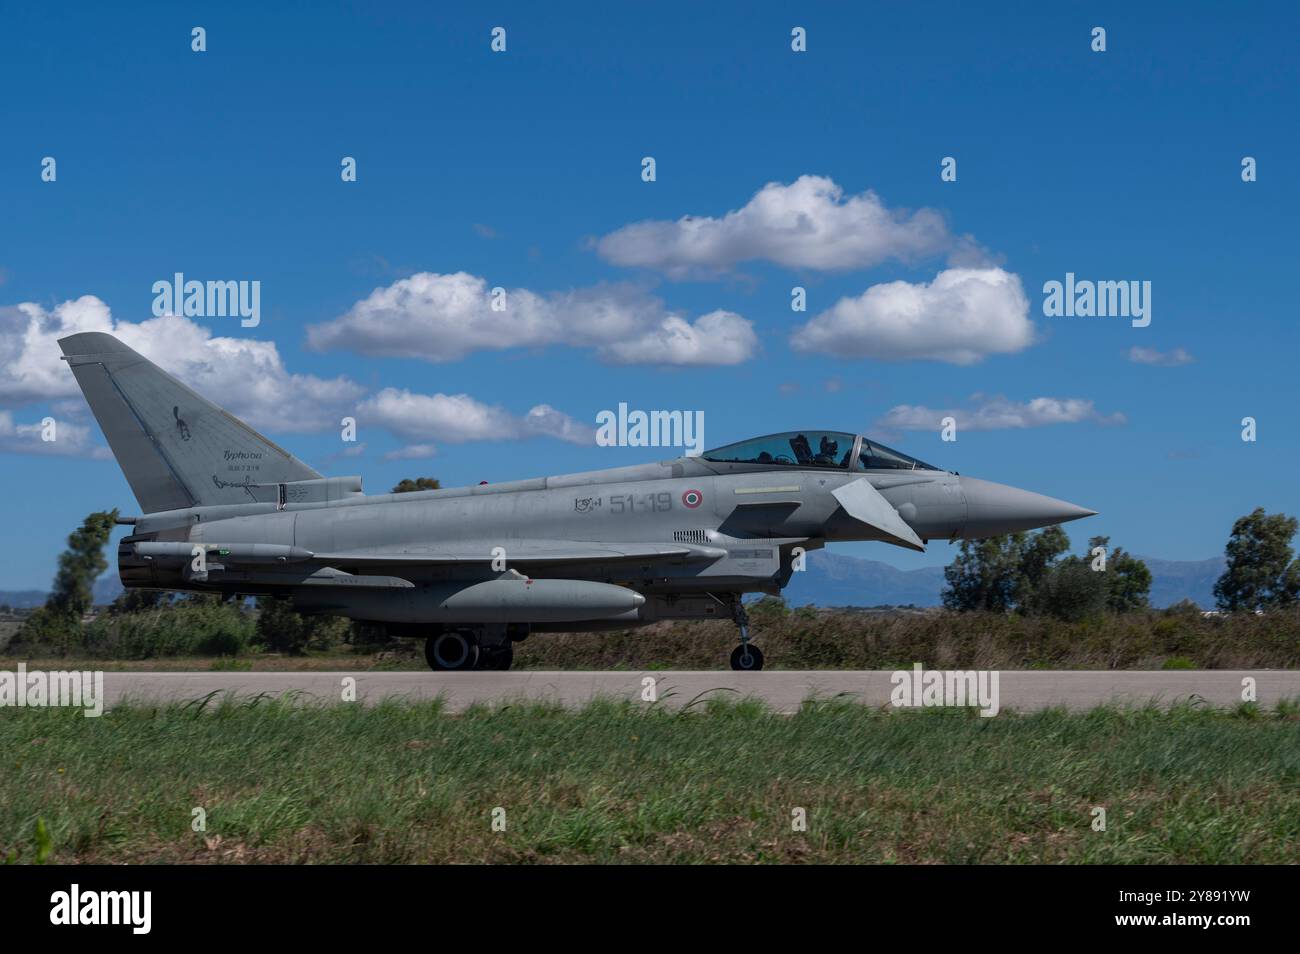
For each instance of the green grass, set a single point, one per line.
(611, 782)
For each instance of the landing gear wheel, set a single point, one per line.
(746, 658)
(453, 650)
(496, 658)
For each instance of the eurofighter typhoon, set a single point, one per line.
(473, 570)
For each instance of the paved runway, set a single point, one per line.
(781, 690)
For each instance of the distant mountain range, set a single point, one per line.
(1175, 580)
(105, 590)
(833, 579)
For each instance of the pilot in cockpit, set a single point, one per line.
(826, 452)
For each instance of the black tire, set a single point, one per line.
(496, 658)
(747, 658)
(453, 650)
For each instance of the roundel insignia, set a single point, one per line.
(692, 499)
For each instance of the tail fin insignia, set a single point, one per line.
(176, 448)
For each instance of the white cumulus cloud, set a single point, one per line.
(70, 439)
(245, 376)
(808, 223)
(444, 317)
(718, 338)
(458, 418)
(997, 413)
(961, 317)
(1165, 359)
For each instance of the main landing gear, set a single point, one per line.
(460, 650)
(452, 650)
(744, 658)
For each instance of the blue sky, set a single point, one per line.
(512, 167)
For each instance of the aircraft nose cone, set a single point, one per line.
(992, 509)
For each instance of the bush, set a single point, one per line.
(281, 630)
(180, 630)
(366, 637)
(46, 631)
(827, 639)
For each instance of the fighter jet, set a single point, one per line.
(472, 570)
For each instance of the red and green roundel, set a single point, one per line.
(692, 499)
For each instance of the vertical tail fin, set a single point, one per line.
(177, 449)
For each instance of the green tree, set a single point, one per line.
(1002, 573)
(1262, 573)
(1077, 588)
(58, 622)
(1128, 579)
(1071, 590)
(1038, 555)
(985, 574)
(406, 485)
(81, 564)
(1026, 572)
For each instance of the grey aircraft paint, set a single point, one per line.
(475, 568)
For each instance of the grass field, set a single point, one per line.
(614, 783)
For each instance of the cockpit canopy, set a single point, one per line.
(832, 449)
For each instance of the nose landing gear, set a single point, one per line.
(744, 658)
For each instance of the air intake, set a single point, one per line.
(691, 536)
